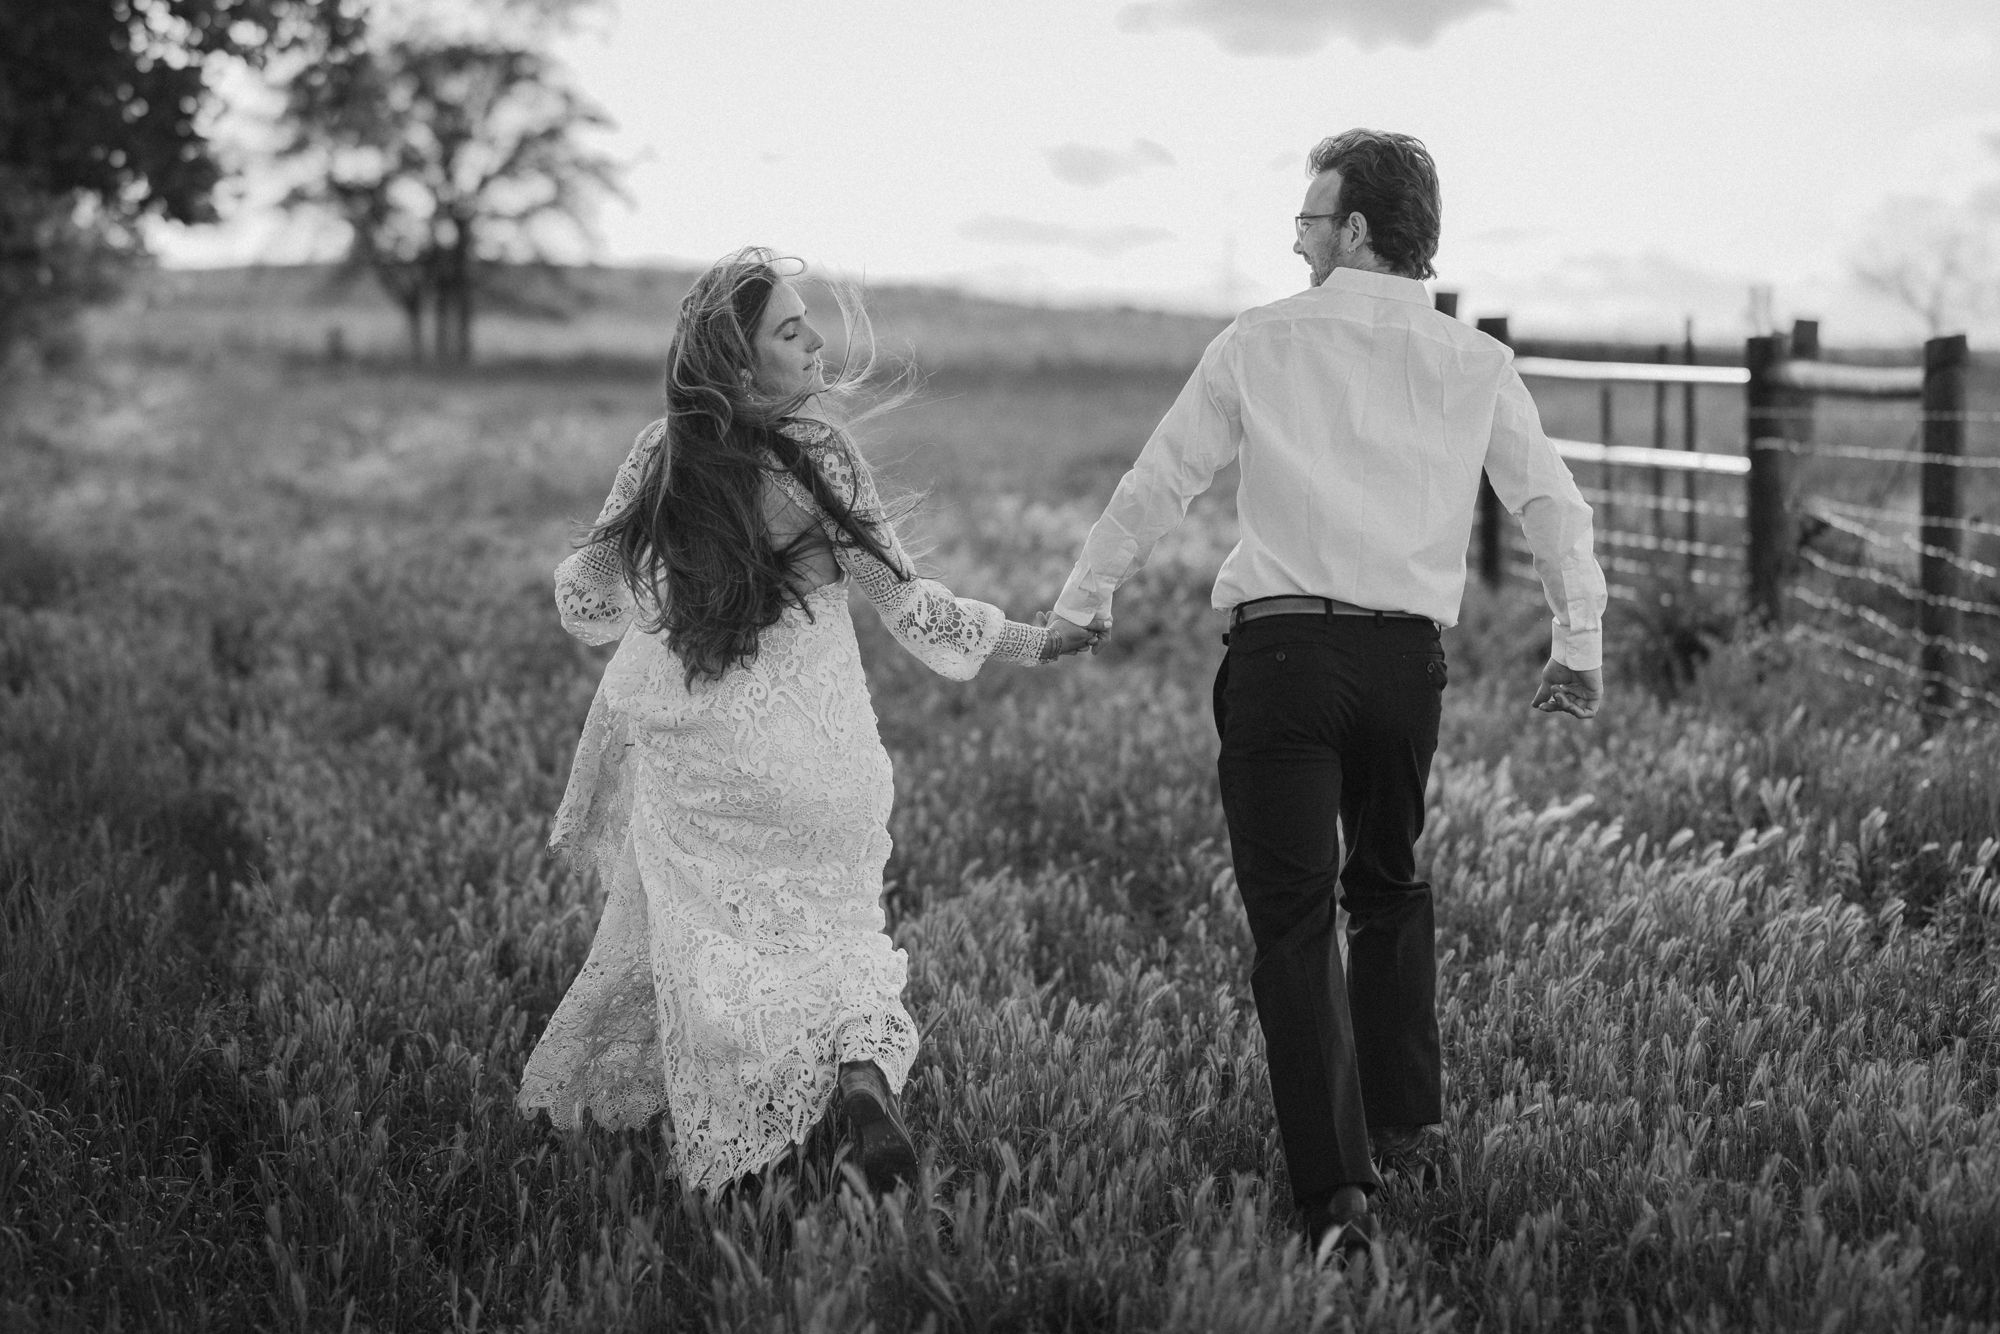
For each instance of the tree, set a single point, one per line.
(102, 110)
(1938, 260)
(445, 156)
(56, 253)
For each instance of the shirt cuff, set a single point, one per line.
(1578, 650)
(1074, 608)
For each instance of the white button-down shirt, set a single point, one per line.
(1363, 418)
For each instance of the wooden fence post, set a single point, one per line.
(1770, 554)
(1691, 441)
(1946, 361)
(1660, 477)
(1804, 346)
(1490, 512)
(1608, 514)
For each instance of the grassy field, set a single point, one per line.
(284, 711)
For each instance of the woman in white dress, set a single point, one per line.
(730, 788)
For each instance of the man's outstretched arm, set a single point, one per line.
(1199, 434)
(1535, 485)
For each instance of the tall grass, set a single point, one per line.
(283, 714)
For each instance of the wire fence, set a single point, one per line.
(1859, 512)
(1904, 595)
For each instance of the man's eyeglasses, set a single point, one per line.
(1303, 220)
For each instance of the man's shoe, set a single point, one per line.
(887, 1155)
(1339, 1227)
(1416, 1154)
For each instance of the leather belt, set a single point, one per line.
(1301, 605)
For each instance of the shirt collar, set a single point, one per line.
(1390, 286)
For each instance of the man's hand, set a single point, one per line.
(1074, 638)
(1566, 690)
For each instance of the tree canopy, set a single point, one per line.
(107, 98)
(102, 115)
(436, 131)
(443, 157)
(447, 143)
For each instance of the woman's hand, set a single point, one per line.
(1071, 637)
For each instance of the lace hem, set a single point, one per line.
(1026, 644)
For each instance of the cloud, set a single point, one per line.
(1299, 27)
(1088, 165)
(1103, 242)
(1608, 295)
(1509, 235)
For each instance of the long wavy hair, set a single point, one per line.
(693, 542)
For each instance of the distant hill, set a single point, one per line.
(616, 316)
(619, 319)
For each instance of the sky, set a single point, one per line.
(1608, 166)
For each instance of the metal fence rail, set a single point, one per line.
(1641, 372)
(1891, 591)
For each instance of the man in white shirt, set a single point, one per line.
(1362, 419)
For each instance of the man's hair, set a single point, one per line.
(1390, 180)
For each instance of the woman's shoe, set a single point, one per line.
(887, 1155)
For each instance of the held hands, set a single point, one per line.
(1566, 690)
(1071, 637)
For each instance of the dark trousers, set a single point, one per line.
(1328, 724)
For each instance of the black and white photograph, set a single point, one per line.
(1197, 666)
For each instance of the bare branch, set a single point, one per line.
(1939, 261)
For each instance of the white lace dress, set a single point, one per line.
(738, 831)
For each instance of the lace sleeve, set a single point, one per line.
(592, 597)
(952, 636)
